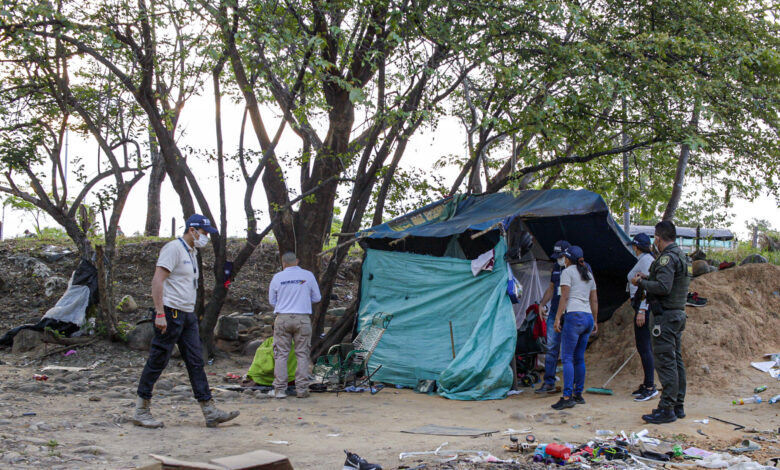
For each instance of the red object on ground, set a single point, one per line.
(558, 451)
(40, 377)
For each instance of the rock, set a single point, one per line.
(337, 312)
(12, 457)
(228, 346)
(227, 328)
(163, 384)
(27, 340)
(251, 347)
(140, 337)
(706, 369)
(94, 450)
(753, 259)
(700, 267)
(94, 398)
(229, 395)
(54, 284)
(127, 304)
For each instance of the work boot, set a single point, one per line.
(679, 411)
(143, 416)
(214, 415)
(661, 416)
(546, 388)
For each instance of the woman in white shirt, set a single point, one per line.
(644, 345)
(575, 319)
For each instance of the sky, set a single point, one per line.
(197, 131)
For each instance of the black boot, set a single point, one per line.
(679, 411)
(661, 416)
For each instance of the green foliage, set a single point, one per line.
(742, 251)
(123, 328)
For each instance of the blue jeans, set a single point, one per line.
(577, 327)
(182, 330)
(553, 347)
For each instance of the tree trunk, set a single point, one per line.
(156, 178)
(106, 310)
(682, 164)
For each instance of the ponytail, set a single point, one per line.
(584, 273)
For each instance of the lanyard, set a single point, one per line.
(194, 269)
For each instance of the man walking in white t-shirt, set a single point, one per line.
(291, 293)
(174, 291)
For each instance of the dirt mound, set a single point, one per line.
(739, 324)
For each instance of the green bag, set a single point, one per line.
(262, 368)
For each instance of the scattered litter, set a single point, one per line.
(281, 443)
(70, 353)
(737, 428)
(439, 451)
(72, 368)
(514, 392)
(40, 377)
(769, 367)
(702, 421)
(334, 435)
(604, 432)
(696, 452)
(30, 413)
(436, 430)
(747, 446)
(515, 431)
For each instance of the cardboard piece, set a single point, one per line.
(257, 460)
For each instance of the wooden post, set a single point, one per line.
(754, 243)
(452, 341)
(173, 227)
(698, 237)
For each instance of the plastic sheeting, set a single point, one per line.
(528, 275)
(72, 306)
(262, 368)
(426, 293)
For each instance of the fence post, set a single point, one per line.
(754, 243)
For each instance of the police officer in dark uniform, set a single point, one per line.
(666, 288)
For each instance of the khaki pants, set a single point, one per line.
(289, 328)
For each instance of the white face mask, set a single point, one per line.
(561, 262)
(201, 241)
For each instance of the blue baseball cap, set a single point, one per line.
(559, 248)
(574, 253)
(199, 221)
(640, 239)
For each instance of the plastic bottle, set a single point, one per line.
(745, 401)
(774, 399)
(759, 389)
(558, 451)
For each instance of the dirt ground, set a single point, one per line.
(81, 419)
(97, 434)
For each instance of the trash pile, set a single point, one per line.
(606, 450)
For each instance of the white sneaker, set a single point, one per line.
(274, 394)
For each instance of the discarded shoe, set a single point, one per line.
(679, 411)
(143, 415)
(277, 394)
(647, 394)
(660, 416)
(747, 446)
(564, 403)
(214, 415)
(355, 462)
(545, 388)
(695, 301)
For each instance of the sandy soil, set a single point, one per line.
(96, 434)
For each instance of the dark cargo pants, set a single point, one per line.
(667, 351)
(182, 330)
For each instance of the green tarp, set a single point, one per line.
(262, 368)
(426, 293)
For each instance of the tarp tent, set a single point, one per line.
(418, 268)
